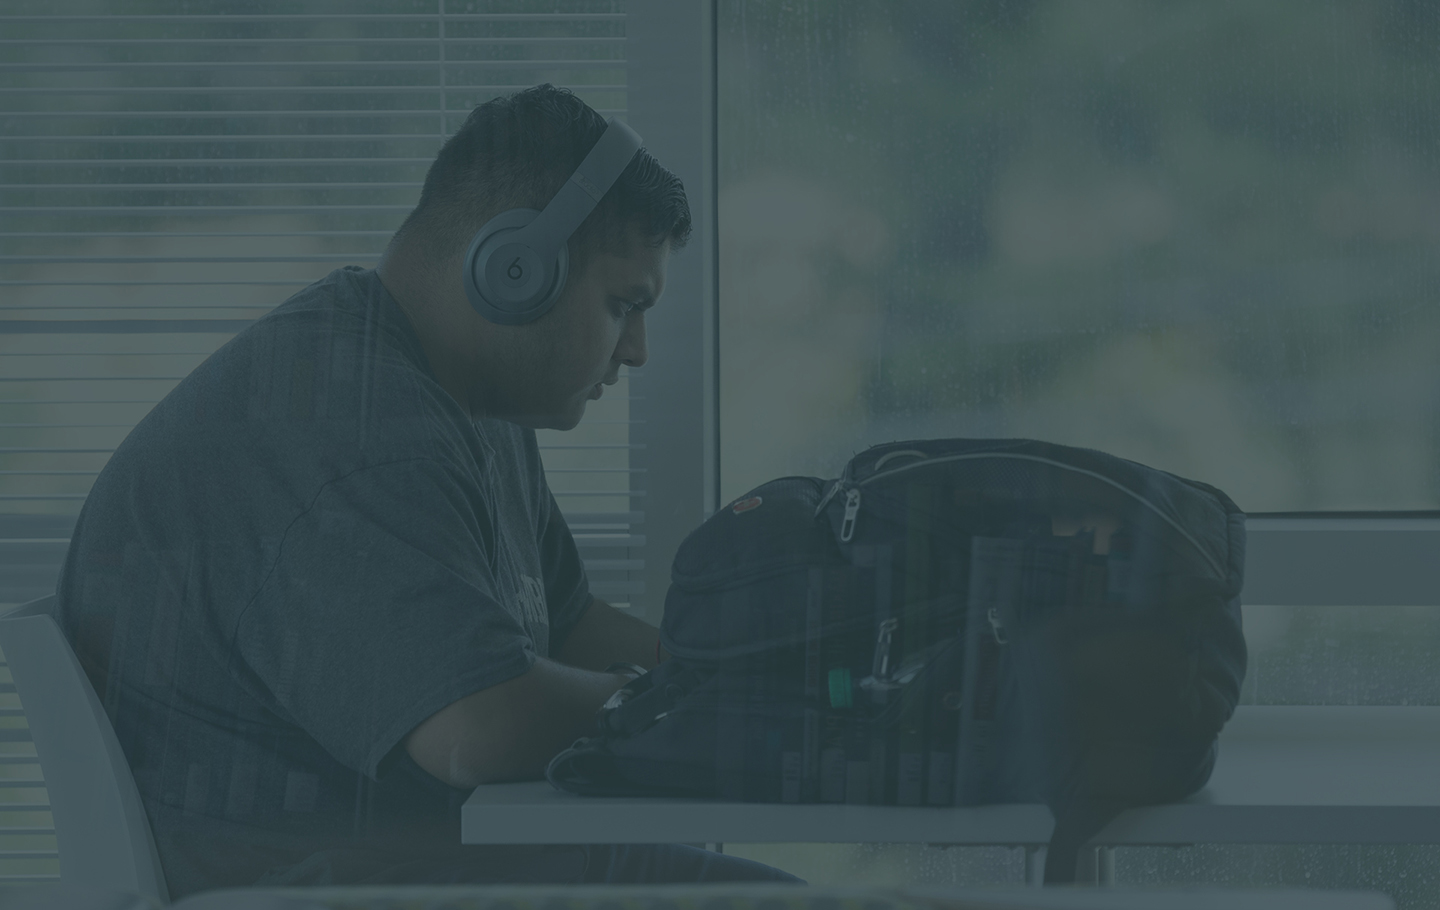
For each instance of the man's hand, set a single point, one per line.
(510, 731)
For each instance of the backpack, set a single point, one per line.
(950, 622)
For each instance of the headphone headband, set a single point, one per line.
(517, 263)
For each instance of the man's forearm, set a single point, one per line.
(511, 731)
(606, 635)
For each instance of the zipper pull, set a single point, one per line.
(997, 628)
(829, 495)
(852, 510)
(884, 635)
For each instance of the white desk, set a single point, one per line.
(751, 896)
(1286, 775)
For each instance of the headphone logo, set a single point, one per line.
(515, 272)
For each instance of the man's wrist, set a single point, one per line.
(628, 670)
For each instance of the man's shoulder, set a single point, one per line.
(327, 383)
(348, 312)
(337, 352)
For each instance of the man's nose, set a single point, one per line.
(631, 349)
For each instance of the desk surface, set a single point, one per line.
(748, 896)
(1286, 775)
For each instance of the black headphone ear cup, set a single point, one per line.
(507, 282)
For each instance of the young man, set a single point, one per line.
(323, 589)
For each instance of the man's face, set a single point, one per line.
(555, 366)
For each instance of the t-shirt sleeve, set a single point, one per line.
(567, 589)
(381, 609)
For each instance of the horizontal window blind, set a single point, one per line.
(170, 172)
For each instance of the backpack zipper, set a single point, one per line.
(852, 495)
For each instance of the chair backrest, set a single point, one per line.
(101, 833)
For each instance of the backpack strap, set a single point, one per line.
(1103, 784)
(1076, 821)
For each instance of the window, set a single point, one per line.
(1202, 236)
(170, 174)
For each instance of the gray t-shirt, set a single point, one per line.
(306, 549)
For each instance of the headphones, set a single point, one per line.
(516, 266)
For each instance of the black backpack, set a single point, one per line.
(951, 622)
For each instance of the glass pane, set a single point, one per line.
(1198, 235)
(1341, 656)
(1405, 873)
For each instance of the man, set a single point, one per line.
(323, 589)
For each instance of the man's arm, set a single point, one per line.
(605, 635)
(510, 731)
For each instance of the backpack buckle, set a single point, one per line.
(852, 514)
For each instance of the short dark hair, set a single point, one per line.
(516, 151)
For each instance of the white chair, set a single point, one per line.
(102, 836)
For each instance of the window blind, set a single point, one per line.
(166, 177)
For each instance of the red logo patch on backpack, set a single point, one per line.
(746, 505)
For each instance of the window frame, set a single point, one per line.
(671, 102)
